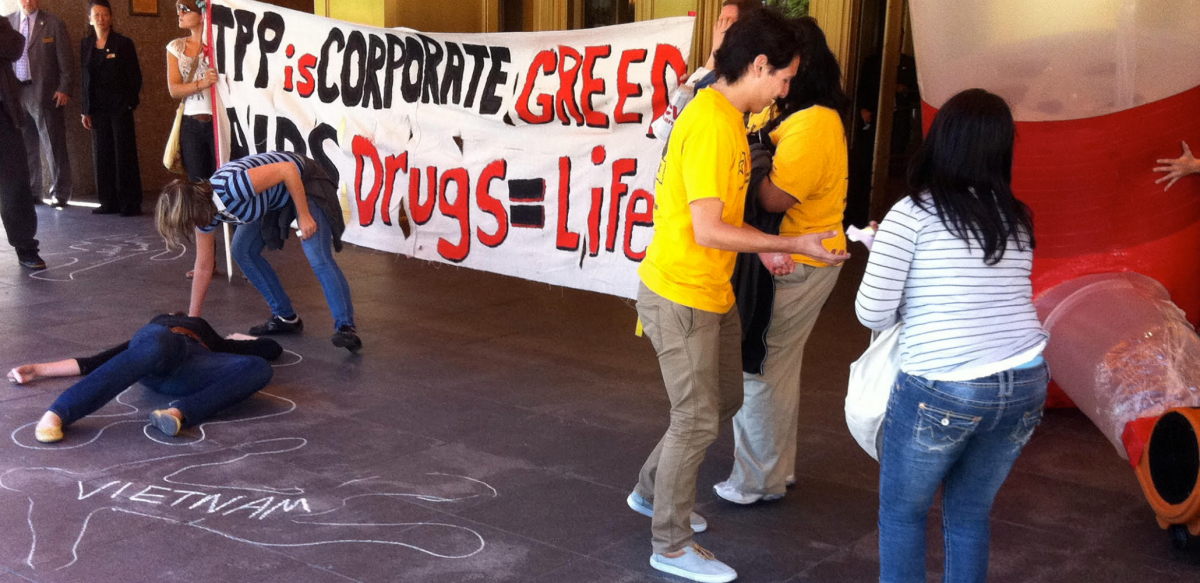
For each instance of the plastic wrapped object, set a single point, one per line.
(1120, 349)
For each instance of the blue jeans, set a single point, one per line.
(964, 436)
(247, 249)
(170, 364)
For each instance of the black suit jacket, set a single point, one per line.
(115, 84)
(12, 44)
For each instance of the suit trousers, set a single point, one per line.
(16, 202)
(115, 161)
(44, 125)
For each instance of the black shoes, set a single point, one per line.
(31, 260)
(103, 210)
(347, 337)
(277, 325)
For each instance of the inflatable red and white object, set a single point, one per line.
(1100, 90)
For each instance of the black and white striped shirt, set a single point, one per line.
(959, 313)
(234, 194)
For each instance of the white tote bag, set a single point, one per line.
(871, 380)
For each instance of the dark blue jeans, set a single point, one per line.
(247, 249)
(965, 437)
(170, 364)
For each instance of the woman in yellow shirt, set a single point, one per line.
(808, 183)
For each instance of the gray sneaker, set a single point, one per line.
(696, 564)
(641, 506)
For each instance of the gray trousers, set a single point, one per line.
(764, 430)
(45, 132)
(700, 356)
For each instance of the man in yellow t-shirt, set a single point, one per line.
(807, 183)
(686, 300)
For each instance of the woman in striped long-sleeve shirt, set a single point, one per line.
(951, 263)
(259, 192)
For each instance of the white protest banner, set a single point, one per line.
(525, 154)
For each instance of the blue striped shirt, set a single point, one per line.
(234, 194)
(959, 313)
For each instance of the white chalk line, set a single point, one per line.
(102, 471)
(356, 480)
(284, 492)
(141, 245)
(83, 530)
(13, 436)
(422, 497)
(482, 544)
(204, 435)
(147, 426)
(33, 543)
(299, 359)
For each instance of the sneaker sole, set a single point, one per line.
(690, 575)
(744, 500)
(696, 528)
(170, 427)
(351, 346)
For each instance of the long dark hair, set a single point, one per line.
(819, 79)
(965, 165)
(762, 32)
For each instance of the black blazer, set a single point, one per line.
(11, 46)
(115, 83)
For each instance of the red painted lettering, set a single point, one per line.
(421, 211)
(392, 165)
(665, 56)
(592, 86)
(362, 149)
(564, 100)
(307, 84)
(625, 89)
(636, 218)
(621, 168)
(565, 239)
(489, 204)
(545, 61)
(459, 209)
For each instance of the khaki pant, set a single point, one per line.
(700, 356)
(764, 430)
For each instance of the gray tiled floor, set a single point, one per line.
(489, 432)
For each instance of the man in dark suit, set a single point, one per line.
(16, 201)
(45, 72)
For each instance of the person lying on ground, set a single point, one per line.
(173, 355)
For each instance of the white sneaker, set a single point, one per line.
(641, 506)
(696, 564)
(726, 491)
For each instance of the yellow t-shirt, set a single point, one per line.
(811, 165)
(707, 157)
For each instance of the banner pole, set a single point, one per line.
(210, 51)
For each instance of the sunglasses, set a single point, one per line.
(181, 9)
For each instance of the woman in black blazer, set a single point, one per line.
(112, 82)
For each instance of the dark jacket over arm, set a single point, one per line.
(260, 347)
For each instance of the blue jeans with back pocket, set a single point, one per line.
(964, 436)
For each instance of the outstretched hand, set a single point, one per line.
(22, 374)
(1177, 168)
(812, 245)
(778, 263)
